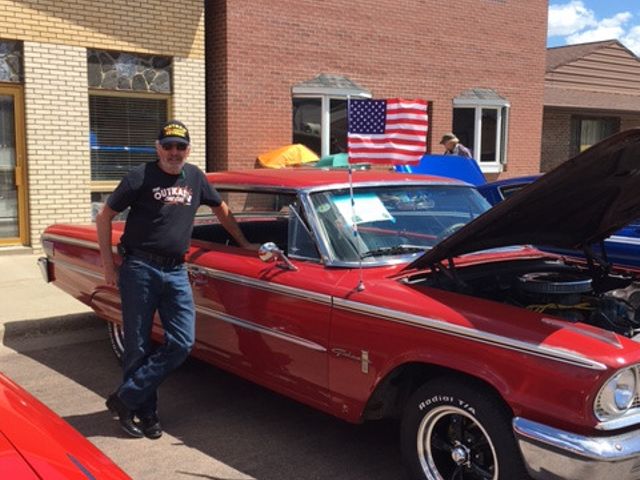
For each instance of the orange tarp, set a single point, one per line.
(289, 156)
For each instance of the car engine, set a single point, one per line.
(606, 300)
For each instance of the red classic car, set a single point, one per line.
(36, 444)
(398, 295)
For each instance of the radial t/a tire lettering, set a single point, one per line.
(458, 430)
(116, 338)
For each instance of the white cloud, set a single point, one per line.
(632, 40)
(576, 23)
(569, 18)
(606, 29)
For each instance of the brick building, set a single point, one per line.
(84, 86)
(591, 92)
(475, 60)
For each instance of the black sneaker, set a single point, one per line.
(125, 416)
(151, 427)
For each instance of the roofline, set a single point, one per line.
(602, 43)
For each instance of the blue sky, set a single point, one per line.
(580, 21)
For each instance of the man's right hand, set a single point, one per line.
(110, 275)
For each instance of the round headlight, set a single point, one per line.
(616, 396)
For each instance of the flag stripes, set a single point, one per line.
(387, 131)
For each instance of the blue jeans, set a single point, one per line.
(144, 289)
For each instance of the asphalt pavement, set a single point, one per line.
(217, 426)
(28, 304)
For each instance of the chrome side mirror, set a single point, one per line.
(269, 252)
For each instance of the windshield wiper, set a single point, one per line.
(395, 250)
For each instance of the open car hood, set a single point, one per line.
(580, 202)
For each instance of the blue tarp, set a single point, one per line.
(452, 166)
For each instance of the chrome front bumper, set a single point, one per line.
(550, 454)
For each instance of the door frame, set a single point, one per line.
(17, 92)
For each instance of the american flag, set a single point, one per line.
(387, 131)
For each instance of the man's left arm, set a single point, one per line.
(228, 221)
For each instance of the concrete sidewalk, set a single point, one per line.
(28, 304)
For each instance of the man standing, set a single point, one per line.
(163, 197)
(453, 146)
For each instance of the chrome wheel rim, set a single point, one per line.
(453, 445)
(117, 338)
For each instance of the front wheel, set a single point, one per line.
(459, 431)
(116, 337)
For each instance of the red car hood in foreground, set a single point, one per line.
(582, 201)
(35, 443)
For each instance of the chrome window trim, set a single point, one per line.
(276, 189)
(323, 242)
(272, 332)
(263, 285)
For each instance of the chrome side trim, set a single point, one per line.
(622, 239)
(500, 341)
(263, 285)
(551, 453)
(77, 269)
(261, 329)
(71, 241)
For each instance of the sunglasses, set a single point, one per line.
(169, 146)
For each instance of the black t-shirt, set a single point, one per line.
(163, 207)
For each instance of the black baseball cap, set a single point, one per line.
(174, 131)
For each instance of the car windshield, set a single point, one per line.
(384, 221)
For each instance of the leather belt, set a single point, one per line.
(159, 260)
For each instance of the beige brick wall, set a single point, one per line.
(152, 26)
(57, 130)
(56, 34)
(188, 104)
(57, 135)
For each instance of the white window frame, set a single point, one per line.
(502, 123)
(326, 95)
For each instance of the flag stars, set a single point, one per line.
(367, 116)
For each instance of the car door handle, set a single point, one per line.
(197, 276)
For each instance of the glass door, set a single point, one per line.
(13, 228)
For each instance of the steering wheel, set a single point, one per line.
(449, 230)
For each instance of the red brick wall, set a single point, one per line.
(216, 84)
(428, 49)
(556, 138)
(629, 121)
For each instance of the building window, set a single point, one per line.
(308, 114)
(128, 72)
(128, 102)
(11, 61)
(589, 131)
(320, 113)
(480, 119)
(123, 131)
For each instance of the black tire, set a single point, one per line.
(116, 337)
(459, 430)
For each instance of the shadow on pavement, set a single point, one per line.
(246, 427)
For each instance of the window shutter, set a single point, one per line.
(123, 133)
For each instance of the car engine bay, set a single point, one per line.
(575, 293)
